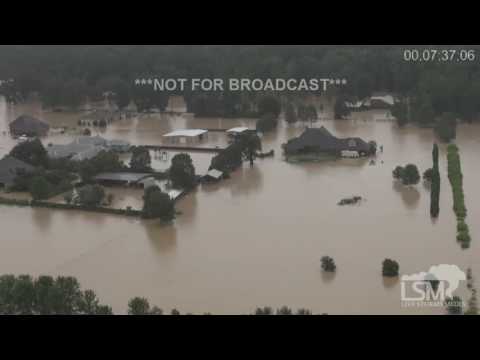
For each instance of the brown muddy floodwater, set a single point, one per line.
(257, 238)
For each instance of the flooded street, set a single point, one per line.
(256, 239)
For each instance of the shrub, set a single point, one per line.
(390, 268)
(328, 264)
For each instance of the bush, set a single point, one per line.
(428, 175)
(328, 264)
(408, 174)
(390, 268)
(157, 204)
(91, 195)
(182, 171)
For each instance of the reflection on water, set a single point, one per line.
(42, 219)
(410, 195)
(390, 282)
(328, 277)
(256, 238)
(163, 237)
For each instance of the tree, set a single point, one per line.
(90, 305)
(410, 175)
(182, 171)
(328, 264)
(428, 175)
(445, 127)
(267, 123)
(303, 312)
(157, 204)
(138, 306)
(435, 188)
(251, 144)
(91, 195)
(141, 160)
(340, 109)
(31, 152)
(284, 310)
(40, 188)
(290, 114)
(47, 296)
(398, 172)
(454, 305)
(423, 110)
(269, 104)
(390, 268)
(264, 311)
(400, 112)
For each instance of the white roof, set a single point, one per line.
(237, 130)
(214, 173)
(186, 133)
(386, 99)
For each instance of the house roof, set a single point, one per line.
(9, 167)
(28, 124)
(186, 133)
(90, 140)
(387, 99)
(122, 176)
(237, 130)
(74, 150)
(214, 173)
(322, 140)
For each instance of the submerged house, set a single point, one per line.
(29, 126)
(186, 136)
(10, 167)
(86, 147)
(320, 140)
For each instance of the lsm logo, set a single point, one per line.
(431, 288)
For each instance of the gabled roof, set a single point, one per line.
(214, 173)
(237, 130)
(322, 140)
(186, 133)
(28, 124)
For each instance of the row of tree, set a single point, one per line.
(435, 184)
(456, 180)
(66, 74)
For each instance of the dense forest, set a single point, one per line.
(65, 75)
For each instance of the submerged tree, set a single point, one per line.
(251, 143)
(91, 195)
(390, 268)
(157, 204)
(182, 171)
(141, 160)
(328, 264)
(290, 114)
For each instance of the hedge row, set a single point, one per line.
(456, 180)
(46, 204)
(435, 188)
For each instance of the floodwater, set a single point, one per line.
(257, 238)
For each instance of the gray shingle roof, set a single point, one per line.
(28, 125)
(322, 140)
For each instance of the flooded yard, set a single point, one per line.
(256, 239)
